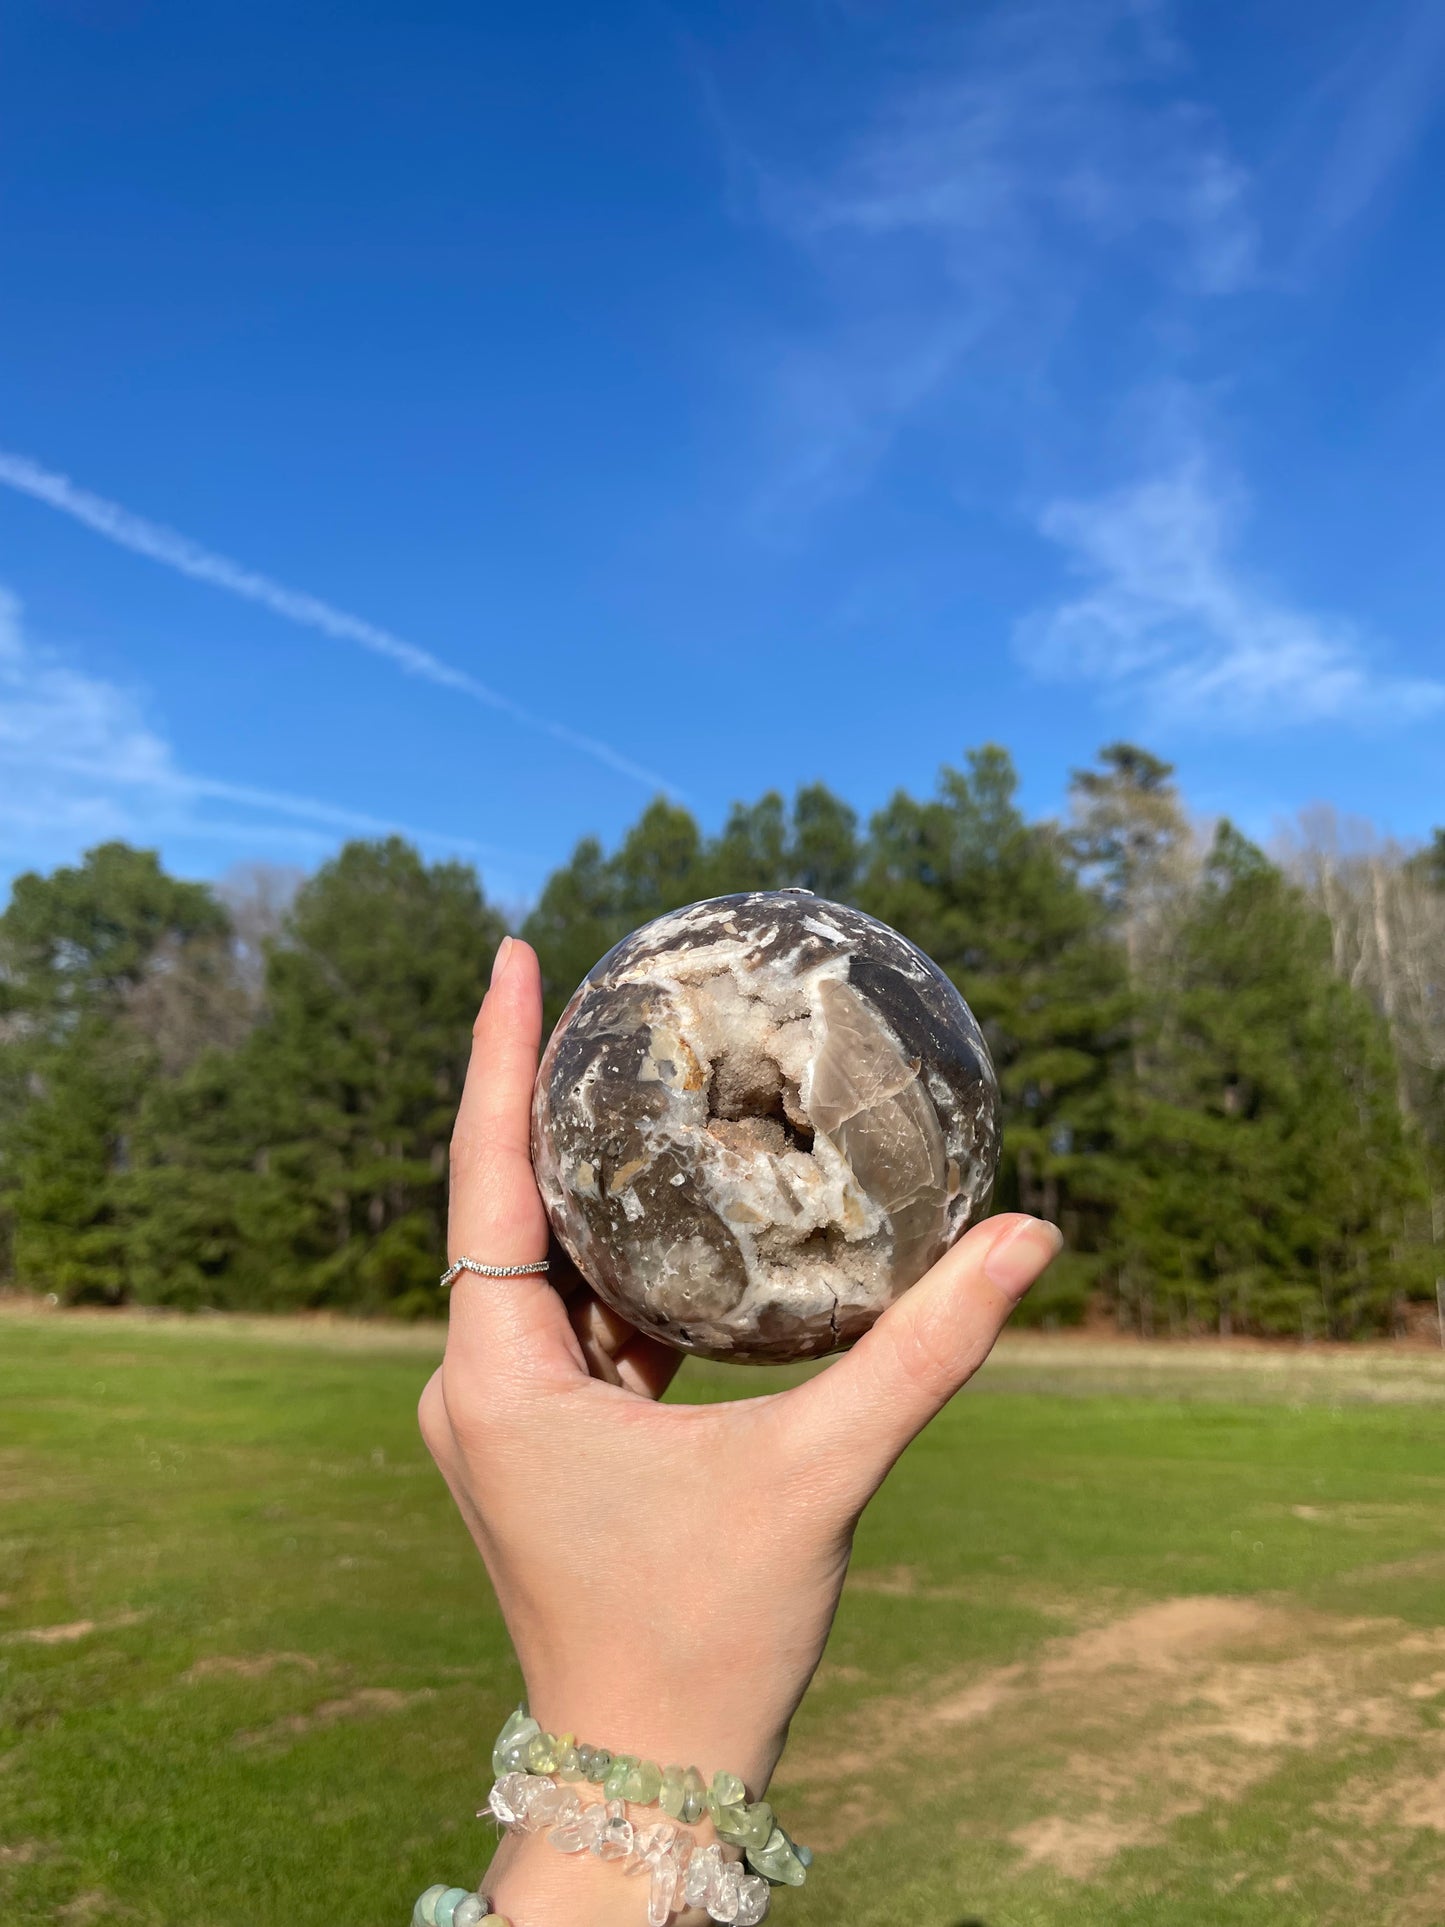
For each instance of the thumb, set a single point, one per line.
(868, 1406)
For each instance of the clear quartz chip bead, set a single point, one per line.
(582, 1832)
(652, 1845)
(535, 1788)
(702, 1875)
(726, 1893)
(615, 1840)
(552, 1804)
(662, 1894)
(507, 1799)
(753, 1897)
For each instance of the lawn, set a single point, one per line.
(1133, 1635)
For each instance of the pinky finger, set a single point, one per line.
(593, 1324)
(646, 1367)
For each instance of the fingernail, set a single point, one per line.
(499, 962)
(1021, 1254)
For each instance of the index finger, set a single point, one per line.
(496, 1104)
(496, 1214)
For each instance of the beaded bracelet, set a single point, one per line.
(682, 1793)
(454, 1907)
(682, 1873)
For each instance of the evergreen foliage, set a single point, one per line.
(1225, 1082)
(77, 948)
(1268, 1176)
(664, 862)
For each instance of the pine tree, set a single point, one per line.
(594, 900)
(752, 852)
(996, 902)
(316, 1156)
(80, 940)
(81, 952)
(824, 854)
(1268, 1174)
(664, 862)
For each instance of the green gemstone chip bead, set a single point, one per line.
(758, 1829)
(727, 1821)
(569, 1764)
(729, 1789)
(509, 1755)
(644, 1783)
(672, 1793)
(600, 1766)
(542, 1754)
(778, 1860)
(694, 1797)
(745, 1826)
(622, 1765)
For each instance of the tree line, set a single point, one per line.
(1223, 1072)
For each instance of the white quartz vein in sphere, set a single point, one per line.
(759, 1121)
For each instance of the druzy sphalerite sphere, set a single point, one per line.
(759, 1120)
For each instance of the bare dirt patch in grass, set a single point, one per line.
(367, 1700)
(1412, 1798)
(85, 1907)
(73, 1629)
(1422, 1566)
(247, 1665)
(908, 1582)
(1076, 1848)
(1119, 1730)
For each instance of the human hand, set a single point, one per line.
(668, 1574)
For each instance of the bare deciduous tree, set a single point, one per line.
(1386, 911)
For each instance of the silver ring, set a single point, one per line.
(489, 1271)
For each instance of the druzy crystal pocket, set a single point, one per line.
(759, 1121)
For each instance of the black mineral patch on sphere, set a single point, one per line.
(759, 1121)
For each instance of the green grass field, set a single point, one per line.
(1133, 1635)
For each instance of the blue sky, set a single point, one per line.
(471, 418)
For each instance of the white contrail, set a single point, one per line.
(306, 809)
(178, 552)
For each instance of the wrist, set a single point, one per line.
(678, 1728)
(700, 1846)
(533, 1885)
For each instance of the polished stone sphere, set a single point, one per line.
(759, 1120)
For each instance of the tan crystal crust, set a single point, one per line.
(759, 1120)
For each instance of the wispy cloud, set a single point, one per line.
(1055, 122)
(1046, 152)
(188, 558)
(79, 760)
(1365, 121)
(1171, 619)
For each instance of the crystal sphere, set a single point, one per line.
(759, 1120)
